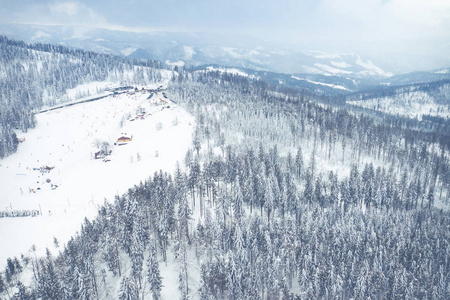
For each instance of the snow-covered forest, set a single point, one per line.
(279, 197)
(429, 100)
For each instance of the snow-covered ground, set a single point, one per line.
(339, 87)
(63, 140)
(88, 89)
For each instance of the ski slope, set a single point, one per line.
(64, 140)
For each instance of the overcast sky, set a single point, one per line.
(420, 26)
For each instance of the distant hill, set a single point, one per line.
(200, 48)
(413, 100)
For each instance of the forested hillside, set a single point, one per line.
(422, 100)
(40, 74)
(279, 198)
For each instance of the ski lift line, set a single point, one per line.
(73, 103)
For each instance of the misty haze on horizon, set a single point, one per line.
(399, 36)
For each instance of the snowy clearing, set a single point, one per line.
(339, 87)
(189, 52)
(330, 70)
(76, 183)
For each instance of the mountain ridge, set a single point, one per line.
(200, 48)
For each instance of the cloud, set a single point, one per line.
(381, 27)
(287, 19)
(391, 19)
(428, 13)
(69, 8)
(59, 13)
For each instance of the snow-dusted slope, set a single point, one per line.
(64, 139)
(413, 103)
(334, 86)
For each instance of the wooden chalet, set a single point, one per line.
(123, 140)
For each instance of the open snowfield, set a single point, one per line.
(340, 87)
(63, 140)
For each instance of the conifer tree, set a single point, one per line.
(154, 277)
